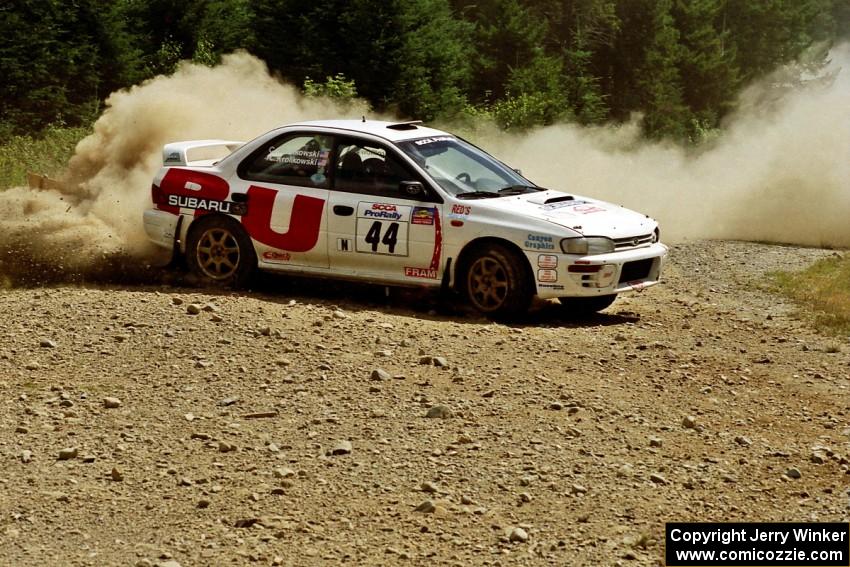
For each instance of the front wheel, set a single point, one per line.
(584, 306)
(220, 252)
(496, 282)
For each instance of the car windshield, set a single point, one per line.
(464, 170)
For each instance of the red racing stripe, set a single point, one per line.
(304, 224)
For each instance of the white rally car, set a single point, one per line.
(400, 204)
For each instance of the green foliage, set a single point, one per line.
(524, 63)
(338, 88)
(433, 61)
(47, 154)
(50, 60)
(824, 290)
(525, 111)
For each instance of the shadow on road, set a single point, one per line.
(419, 303)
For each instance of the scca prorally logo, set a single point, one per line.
(383, 211)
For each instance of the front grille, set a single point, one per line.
(638, 270)
(632, 242)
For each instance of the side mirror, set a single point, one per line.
(411, 189)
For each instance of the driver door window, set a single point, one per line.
(369, 170)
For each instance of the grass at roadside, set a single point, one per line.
(824, 289)
(47, 154)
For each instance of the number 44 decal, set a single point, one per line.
(389, 239)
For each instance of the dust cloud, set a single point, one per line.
(778, 173)
(92, 225)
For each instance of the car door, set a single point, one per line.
(286, 180)
(376, 230)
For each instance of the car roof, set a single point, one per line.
(392, 131)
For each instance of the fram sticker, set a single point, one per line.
(425, 273)
(422, 215)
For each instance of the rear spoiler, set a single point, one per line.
(176, 153)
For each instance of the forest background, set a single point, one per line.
(678, 65)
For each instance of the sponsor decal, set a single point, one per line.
(547, 276)
(382, 215)
(580, 207)
(422, 215)
(539, 242)
(556, 287)
(562, 205)
(211, 205)
(426, 141)
(382, 228)
(461, 210)
(274, 256)
(547, 261)
(425, 273)
(588, 209)
(202, 186)
(300, 157)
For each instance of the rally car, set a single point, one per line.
(395, 204)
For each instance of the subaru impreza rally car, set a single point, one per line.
(396, 204)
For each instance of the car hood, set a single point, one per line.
(589, 217)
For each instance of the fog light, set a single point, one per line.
(606, 275)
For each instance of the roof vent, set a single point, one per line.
(405, 125)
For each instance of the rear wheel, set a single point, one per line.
(583, 306)
(220, 252)
(496, 282)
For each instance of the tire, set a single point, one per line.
(584, 306)
(220, 252)
(496, 282)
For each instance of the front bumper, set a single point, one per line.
(161, 227)
(568, 275)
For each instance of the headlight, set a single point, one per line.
(587, 246)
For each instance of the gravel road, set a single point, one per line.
(164, 425)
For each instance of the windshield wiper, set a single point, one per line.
(519, 189)
(478, 195)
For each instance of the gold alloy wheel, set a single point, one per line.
(488, 283)
(218, 253)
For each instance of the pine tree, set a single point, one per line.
(707, 63)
